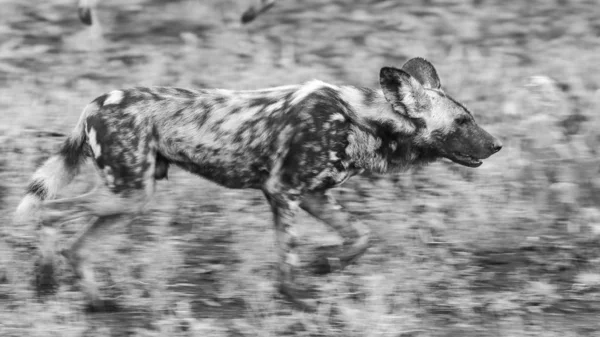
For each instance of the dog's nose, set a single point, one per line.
(497, 146)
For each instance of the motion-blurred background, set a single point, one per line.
(509, 249)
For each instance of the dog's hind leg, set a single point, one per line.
(120, 210)
(356, 235)
(131, 184)
(116, 210)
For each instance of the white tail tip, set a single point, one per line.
(28, 209)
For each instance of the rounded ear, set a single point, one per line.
(423, 71)
(403, 92)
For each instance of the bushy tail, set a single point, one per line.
(55, 173)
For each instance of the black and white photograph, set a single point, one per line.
(310, 168)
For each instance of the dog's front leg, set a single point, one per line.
(284, 207)
(356, 235)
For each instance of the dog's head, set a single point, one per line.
(444, 127)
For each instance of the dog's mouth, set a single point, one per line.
(465, 159)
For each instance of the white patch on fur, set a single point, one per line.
(280, 88)
(92, 140)
(27, 208)
(294, 207)
(333, 156)
(229, 92)
(337, 117)
(442, 114)
(276, 106)
(292, 259)
(54, 175)
(149, 181)
(408, 98)
(335, 206)
(354, 97)
(309, 88)
(110, 178)
(114, 97)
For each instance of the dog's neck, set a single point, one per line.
(382, 140)
(371, 108)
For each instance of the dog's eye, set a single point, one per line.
(462, 120)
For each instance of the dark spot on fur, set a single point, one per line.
(328, 103)
(220, 99)
(399, 147)
(419, 123)
(85, 15)
(564, 87)
(261, 101)
(100, 162)
(205, 109)
(45, 282)
(162, 167)
(216, 126)
(573, 124)
(187, 93)
(179, 113)
(97, 123)
(150, 92)
(72, 151)
(37, 188)
(100, 100)
(155, 133)
(369, 95)
(237, 138)
(338, 164)
(103, 306)
(137, 131)
(235, 111)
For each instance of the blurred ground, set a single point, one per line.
(508, 249)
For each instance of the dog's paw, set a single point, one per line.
(302, 297)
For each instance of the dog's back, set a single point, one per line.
(229, 137)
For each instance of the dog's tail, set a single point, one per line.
(57, 171)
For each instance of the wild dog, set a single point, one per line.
(294, 143)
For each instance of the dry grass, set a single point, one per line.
(509, 249)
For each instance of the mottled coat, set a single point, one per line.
(293, 142)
